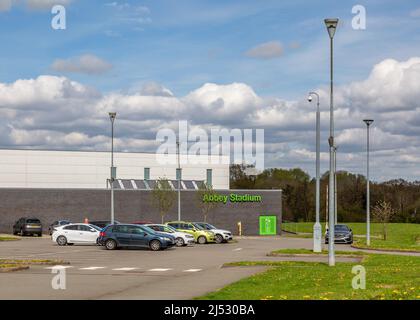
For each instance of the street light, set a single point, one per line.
(317, 247)
(331, 25)
(179, 179)
(112, 116)
(368, 123)
(335, 185)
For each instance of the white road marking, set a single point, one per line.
(237, 249)
(92, 268)
(124, 269)
(59, 267)
(192, 270)
(159, 270)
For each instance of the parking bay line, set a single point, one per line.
(192, 270)
(159, 270)
(92, 268)
(59, 267)
(124, 269)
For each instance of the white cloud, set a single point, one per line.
(267, 50)
(45, 4)
(55, 112)
(6, 5)
(87, 64)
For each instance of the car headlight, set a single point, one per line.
(210, 233)
(189, 236)
(167, 239)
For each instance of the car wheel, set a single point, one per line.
(219, 238)
(39, 234)
(202, 240)
(155, 245)
(61, 240)
(179, 242)
(110, 244)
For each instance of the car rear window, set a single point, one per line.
(33, 221)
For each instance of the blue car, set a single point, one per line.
(131, 235)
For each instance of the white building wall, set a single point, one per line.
(79, 169)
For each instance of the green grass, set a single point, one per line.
(6, 264)
(308, 251)
(387, 277)
(8, 238)
(401, 236)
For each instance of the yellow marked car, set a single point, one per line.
(201, 236)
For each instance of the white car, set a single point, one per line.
(80, 233)
(181, 238)
(220, 235)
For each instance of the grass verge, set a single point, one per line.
(388, 277)
(8, 265)
(401, 236)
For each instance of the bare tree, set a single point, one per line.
(205, 191)
(383, 212)
(163, 196)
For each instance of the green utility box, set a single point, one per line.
(268, 225)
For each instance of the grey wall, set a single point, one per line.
(76, 204)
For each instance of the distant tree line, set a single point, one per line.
(299, 194)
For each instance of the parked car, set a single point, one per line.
(142, 222)
(220, 235)
(342, 234)
(28, 226)
(102, 223)
(201, 236)
(132, 235)
(80, 233)
(181, 238)
(55, 224)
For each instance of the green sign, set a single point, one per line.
(268, 225)
(233, 197)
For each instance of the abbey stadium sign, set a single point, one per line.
(233, 197)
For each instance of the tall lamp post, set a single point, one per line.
(331, 25)
(368, 123)
(112, 116)
(317, 247)
(179, 179)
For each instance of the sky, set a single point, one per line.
(225, 64)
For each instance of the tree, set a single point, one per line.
(383, 212)
(163, 196)
(205, 206)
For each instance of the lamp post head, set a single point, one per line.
(310, 98)
(112, 116)
(331, 25)
(368, 122)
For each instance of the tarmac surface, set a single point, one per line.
(176, 273)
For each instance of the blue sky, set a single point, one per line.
(219, 63)
(183, 44)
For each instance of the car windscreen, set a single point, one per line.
(147, 229)
(95, 227)
(197, 226)
(169, 229)
(341, 228)
(33, 221)
(209, 226)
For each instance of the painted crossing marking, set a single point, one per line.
(192, 270)
(237, 249)
(159, 270)
(92, 268)
(124, 269)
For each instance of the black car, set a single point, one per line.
(102, 223)
(131, 235)
(28, 226)
(57, 223)
(342, 234)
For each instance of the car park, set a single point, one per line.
(342, 234)
(55, 224)
(220, 235)
(181, 238)
(103, 223)
(201, 236)
(131, 235)
(28, 226)
(76, 233)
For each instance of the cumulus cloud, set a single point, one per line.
(267, 50)
(87, 64)
(56, 112)
(6, 5)
(45, 4)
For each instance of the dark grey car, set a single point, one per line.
(342, 234)
(28, 226)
